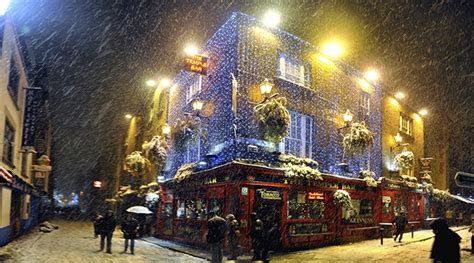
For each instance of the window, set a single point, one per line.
(364, 104)
(13, 80)
(406, 124)
(8, 143)
(194, 88)
(292, 70)
(299, 139)
(302, 206)
(193, 152)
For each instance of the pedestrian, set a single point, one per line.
(130, 231)
(257, 234)
(216, 227)
(274, 237)
(233, 235)
(400, 222)
(96, 219)
(446, 243)
(106, 229)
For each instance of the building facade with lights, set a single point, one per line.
(25, 130)
(228, 168)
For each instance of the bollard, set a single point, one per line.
(381, 235)
(412, 230)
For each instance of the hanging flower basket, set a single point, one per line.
(441, 196)
(299, 168)
(409, 181)
(136, 164)
(184, 172)
(358, 139)
(187, 130)
(273, 119)
(343, 199)
(405, 160)
(157, 148)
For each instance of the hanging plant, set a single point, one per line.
(405, 160)
(157, 148)
(184, 172)
(358, 139)
(187, 130)
(409, 181)
(302, 168)
(273, 119)
(136, 164)
(441, 196)
(342, 198)
(368, 177)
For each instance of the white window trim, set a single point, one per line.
(192, 90)
(303, 136)
(284, 73)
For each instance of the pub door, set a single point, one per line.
(268, 205)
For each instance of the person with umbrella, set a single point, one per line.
(106, 229)
(141, 211)
(130, 230)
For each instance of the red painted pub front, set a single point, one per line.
(303, 210)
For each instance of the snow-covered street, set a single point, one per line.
(74, 242)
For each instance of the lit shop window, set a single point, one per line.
(406, 124)
(292, 70)
(300, 134)
(194, 88)
(303, 205)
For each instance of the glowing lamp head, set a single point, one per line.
(166, 129)
(398, 138)
(266, 87)
(128, 116)
(165, 82)
(151, 83)
(372, 75)
(400, 95)
(4, 6)
(332, 50)
(347, 116)
(423, 112)
(271, 18)
(191, 50)
(197, 105)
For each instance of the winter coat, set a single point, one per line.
(130, 228)
(216, 227)
(106, 225)
(446, 246)
(401, 222)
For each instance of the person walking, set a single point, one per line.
(257, 234)
(96, 219)
(446, 243)
(130, 231)
(233, 235)
(400, 222)
(106, 229)
(216, 227)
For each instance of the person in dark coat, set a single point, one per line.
(400, 222)
(96, 219)
(130, 232)
(216, 228)
(233, 235)
(257, 233)
(106, 229)
(446, 243)
(274, 237)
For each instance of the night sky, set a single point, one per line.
(100, 53)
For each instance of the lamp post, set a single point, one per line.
(266, 88)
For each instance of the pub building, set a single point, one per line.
(229, 168)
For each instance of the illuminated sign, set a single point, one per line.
(269, 195)
(196, 64)
(97, 184)
(315, 196)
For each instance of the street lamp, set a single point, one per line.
(372, 75)
(191, 50)
(166, 130)
(400, 95)
(347, 116)
(398, 138)
(151, 83)
(197, 106)
(271, 18)
(266, 88)
(332, 49)
(423, 112)
(128, 116)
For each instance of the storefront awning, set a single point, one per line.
(5, 175)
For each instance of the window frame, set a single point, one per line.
(405, 124)
(8, 151)
(299, 71)
(189, 153)
(195, 87)
(302, 140)
(364, 103)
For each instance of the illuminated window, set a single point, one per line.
(194, 88)
(193, 152)
(8, 142)
(364, 104)
(406, 124)
(292, 70)
(299, 139)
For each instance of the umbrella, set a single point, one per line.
(139, 210)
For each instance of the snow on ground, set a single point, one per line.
(410, 250)
(74, 242)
